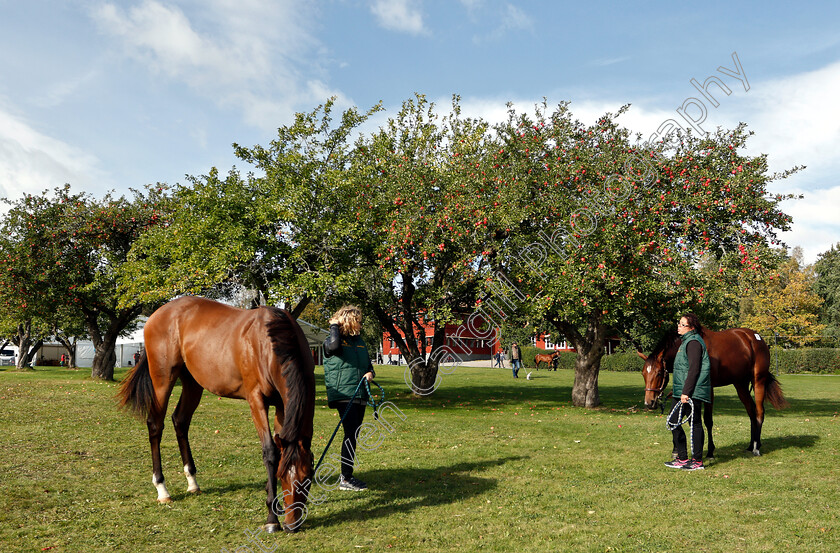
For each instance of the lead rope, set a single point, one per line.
(375, 404)
(680, 420)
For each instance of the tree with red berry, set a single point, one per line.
(62, 253)
(616, 242)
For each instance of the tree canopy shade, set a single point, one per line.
(62, 252)
(617, 235)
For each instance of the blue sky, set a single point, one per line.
(108, 95)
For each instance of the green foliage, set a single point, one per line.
(63, 252)
(281, 231)
(827, 287)
(615, 231)
(810, 360)
(621, 362)
(785, 303)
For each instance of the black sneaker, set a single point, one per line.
(351, 484)
(693, 464)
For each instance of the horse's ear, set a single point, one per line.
(642, 355)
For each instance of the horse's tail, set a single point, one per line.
(773, 392)
(772, 388)
(137, 392)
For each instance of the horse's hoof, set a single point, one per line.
(290, 530)
(756, 453)
(196, 491)
(272, 528)
(165, 501)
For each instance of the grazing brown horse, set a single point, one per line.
(258, 355)
(549, 359)
(740, 357)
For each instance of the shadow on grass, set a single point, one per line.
(518, 392)
(739, 450)
(404, 490)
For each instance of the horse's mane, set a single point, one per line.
(298, 370)
(665, 343)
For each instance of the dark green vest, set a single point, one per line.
(342, 372)
(703, 389)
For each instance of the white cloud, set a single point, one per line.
(163, 37)
(32, 162)
(816, 221)
(512, 19)
(56, 93)
(399, 15)
(797, 119)
(245, 55)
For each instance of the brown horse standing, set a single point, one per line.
(549, 359)
(258, 355)
(740, 357)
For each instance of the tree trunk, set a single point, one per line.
(69, 347)
(105, 356)
(422, 376)
(26, 349)
(23, 359)
(590, 348)
(104, 360)
(585, 389)
(71, 360)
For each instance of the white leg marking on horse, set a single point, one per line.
(192, 484)
(163, 494)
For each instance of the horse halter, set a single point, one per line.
(661, 390)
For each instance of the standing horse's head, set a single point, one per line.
(656, 378)
(294, 474)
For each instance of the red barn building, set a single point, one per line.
(471, 345)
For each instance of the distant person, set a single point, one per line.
(347, 363)
(515, 359)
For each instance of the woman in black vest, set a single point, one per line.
(346, 362)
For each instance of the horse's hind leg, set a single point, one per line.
(708, 421)
(190, 397)
(163, 380)
(155, 424)
(759, 391)
(755, 426)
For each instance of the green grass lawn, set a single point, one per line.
(487, 463)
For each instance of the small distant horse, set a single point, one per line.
(739, 357)
(259, 355)
(550, 359)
